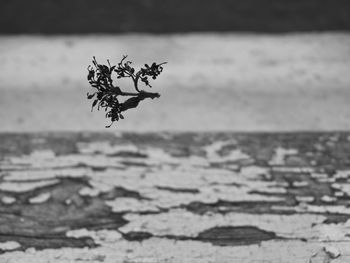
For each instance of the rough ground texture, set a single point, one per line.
(174, 197)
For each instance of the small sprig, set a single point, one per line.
(107, 96)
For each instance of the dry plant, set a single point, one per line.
(108, 96)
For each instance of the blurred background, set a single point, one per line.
(237, 65)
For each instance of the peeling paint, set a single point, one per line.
(99, 237)
(183, 223)
(105, 147)
(40, 198)
(157, 250)
(131, 205)
(8, 200)
(25, 186)
(176, 198)
(9, 245)
(333, 252)
(280, 155)
(328, 199)
(305, 199)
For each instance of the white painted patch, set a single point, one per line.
(287, 169)
(45, 174)
(342, 187)
(319, 175)
(337, 186)
(213, 148)
(9, 245)
(300, 184)
(37, 158)
(88, 191)
(106, 148)
(338, 194)
(42, 198)
(280, 155)
(342, 174)
(180, 222)
(78, 233)
(253, 172)
(234, 155)
(8, 200)
(30, 250)
(42, 154)
(99, 237)
(157, 250)
(305, 199)
(97, 186)
(25, 186)
(95, 160)
(333, 232)
(131, 205)
(331, 209)
(327, 180)
(160, 157)
(332, 251)
(328, 199)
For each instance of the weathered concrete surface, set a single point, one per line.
(175, 197)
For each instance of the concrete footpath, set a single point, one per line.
(174, 197)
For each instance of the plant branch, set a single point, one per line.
(106, 94)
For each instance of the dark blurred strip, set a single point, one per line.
(168, 16)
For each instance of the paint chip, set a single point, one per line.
(42, 198)
(9, 245)
(7, 200)
(333, 252)
(328, 199)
